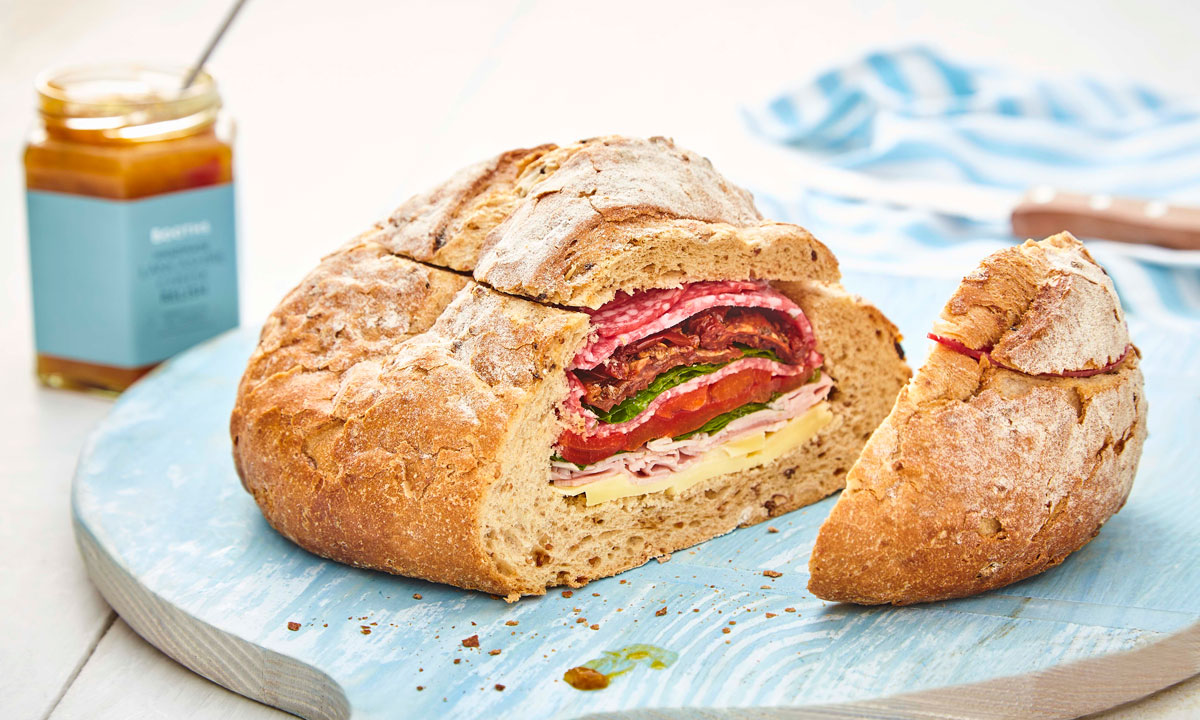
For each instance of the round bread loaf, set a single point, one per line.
(402, 407)
(990, 469)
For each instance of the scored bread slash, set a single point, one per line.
(1014, 443)
(602, 333)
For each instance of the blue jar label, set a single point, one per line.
(129, 283)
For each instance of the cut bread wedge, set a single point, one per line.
(1009, 449)
(563, 362)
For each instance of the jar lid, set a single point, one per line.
(126, 102)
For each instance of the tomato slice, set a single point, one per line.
(681, 414)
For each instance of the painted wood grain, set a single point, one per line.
(1177, 701)
(181, 551)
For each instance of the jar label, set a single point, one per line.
(129, 283)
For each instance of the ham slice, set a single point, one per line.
(664, 456)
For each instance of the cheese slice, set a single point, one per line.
(741, 453)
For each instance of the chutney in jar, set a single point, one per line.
(132, 242)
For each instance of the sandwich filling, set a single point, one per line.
(670, 376)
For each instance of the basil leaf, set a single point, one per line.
(632, 406)
(748, 351)
(717, 424)
(559, 458)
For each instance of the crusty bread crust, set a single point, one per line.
(388, 466)
(400, 416)
(574, 225)
(980, 475)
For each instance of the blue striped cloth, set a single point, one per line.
(915, 114)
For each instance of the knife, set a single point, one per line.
(1146, 229)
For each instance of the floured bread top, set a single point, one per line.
(574, 225)
(1042, 308)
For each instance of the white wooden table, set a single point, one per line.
(346, 108)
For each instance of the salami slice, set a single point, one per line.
(630, 318)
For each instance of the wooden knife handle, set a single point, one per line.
(1044, 211)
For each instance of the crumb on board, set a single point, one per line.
(772, 529)
(494, 651)
(472, 641)
(661, 611)
(789, 609)
(293, 626)
(664, 558)
(733, 622)
(567, 593)
(764, 587)
(594, 627)
(580, 620)
(511, 623)
(725, 630)
(499, 687)
(770, 615)
(364, 629)
(420, 688)
(457, 660)
(772, 573)
(416, 596)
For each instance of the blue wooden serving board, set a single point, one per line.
(180, 550)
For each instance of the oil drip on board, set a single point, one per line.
(596, 674)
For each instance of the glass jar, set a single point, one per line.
(131, 222)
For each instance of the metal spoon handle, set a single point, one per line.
(212, 44)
